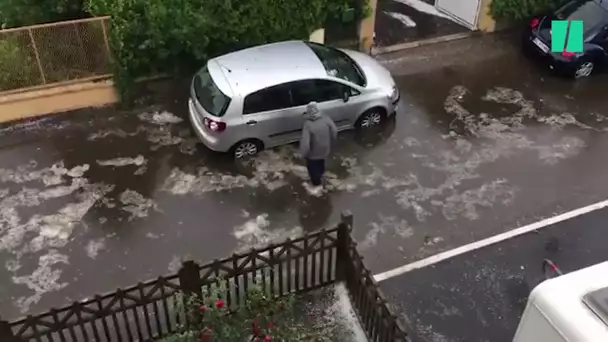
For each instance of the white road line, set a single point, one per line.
(489, 241)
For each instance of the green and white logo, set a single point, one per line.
(567, 39)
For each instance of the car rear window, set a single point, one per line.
(588, 11)
(208, 95)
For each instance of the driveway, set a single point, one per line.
(483, 142)
(402, 21)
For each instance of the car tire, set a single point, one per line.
(246, 148)
(584, 69)
(371, 118)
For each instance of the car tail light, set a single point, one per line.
(534, 23)
(214, 126)
(568, 55)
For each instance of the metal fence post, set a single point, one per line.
(189, 278)
(6, 333)
(343, 245)
(105, 38)
(29, 30)
(347, 218)
(190, 285)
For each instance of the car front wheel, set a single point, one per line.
(584, 69)
(371, 118)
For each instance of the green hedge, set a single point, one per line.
(159, 36)
(523, 9)
(17, 69)
(15, 13)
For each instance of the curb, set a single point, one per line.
(419, 43)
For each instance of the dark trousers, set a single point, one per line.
(316, 169)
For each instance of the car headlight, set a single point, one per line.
(394, 94)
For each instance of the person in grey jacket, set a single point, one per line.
(318, 135)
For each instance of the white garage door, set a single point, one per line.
(463, 11)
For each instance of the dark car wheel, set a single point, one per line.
(246, 148)
(584, 69)
(371, 118)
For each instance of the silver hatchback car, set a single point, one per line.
(255, 98)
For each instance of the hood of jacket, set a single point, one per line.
(312, 111)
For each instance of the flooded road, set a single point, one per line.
(483, 142)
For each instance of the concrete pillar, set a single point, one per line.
(318, 36)
(486, 22)
(367, 28)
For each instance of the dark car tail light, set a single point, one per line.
(568, 55)
(534, 23)
(214, 126)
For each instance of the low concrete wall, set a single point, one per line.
(56, 99)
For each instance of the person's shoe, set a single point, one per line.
(314, 190)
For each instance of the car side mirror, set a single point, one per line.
(345, 96)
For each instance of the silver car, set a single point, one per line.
(255, 98)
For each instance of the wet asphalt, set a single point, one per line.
(484, 141)
(481, 295)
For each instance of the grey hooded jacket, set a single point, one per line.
(318, 134)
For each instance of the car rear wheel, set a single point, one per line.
(371, 118)
(246, 148)
(584, 69)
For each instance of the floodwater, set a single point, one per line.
(483, 142)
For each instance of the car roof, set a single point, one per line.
(602, 4)
(264, 66)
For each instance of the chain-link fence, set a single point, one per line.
(52, 53)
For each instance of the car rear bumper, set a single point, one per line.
(212, 142)
(548, 59)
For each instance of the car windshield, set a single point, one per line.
(588, 11)
(338, 64)
(209, 95)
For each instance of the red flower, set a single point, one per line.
(255, 329)
(202, 308)
(219, 304)
(267, 338)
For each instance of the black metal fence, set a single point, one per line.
(151, 310)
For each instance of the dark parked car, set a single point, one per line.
(594, 14)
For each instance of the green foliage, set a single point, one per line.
(260, 318)
(522, 9)
(158, 36)
(17, 69)
(15, 13)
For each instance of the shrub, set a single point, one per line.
(15, 13)
(260, 318)
(522, 9)
(17, 68)
(158, 36)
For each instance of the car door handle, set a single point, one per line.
(251, 122)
